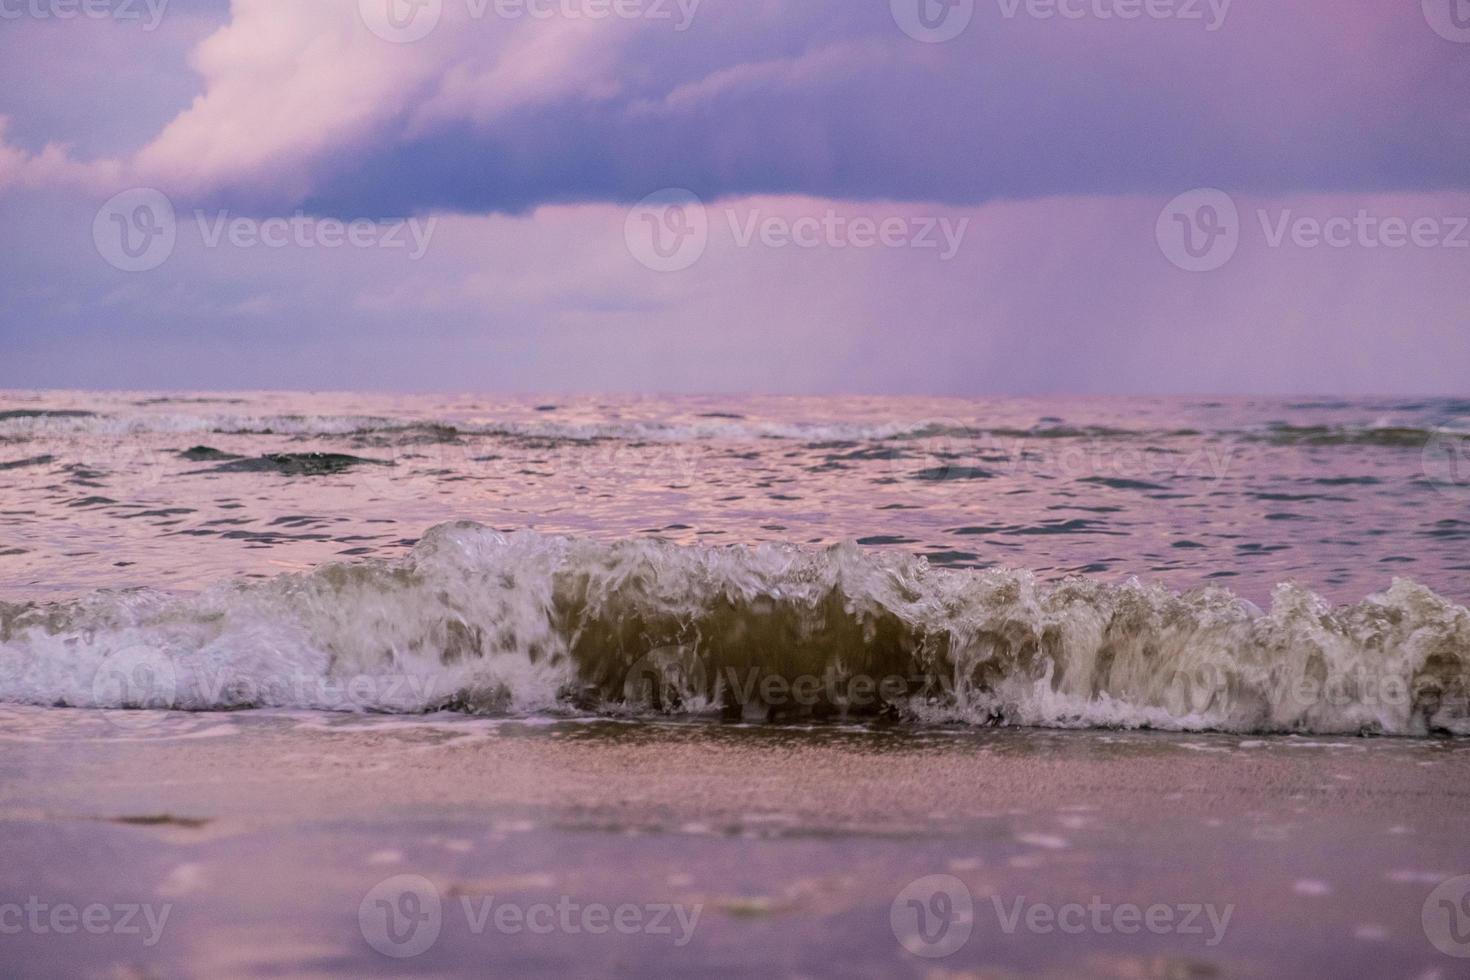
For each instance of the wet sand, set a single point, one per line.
(294, 844)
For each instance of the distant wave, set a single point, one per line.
(37, 424)
(477, 621)
(1409, 437)
(20, 426)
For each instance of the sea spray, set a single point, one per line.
(480, 621)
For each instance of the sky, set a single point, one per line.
(964, 197)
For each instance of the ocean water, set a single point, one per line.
(1187, 564)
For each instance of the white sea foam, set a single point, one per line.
(26, 425)
(480, 621)
(54, 425)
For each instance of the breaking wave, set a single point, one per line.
(477, 621)
(25, 425)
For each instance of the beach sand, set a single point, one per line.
(271, 838)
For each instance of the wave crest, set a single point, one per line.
(479, 621)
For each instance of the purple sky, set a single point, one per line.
(862, 206)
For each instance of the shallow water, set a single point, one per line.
(983, 545)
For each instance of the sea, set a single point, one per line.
(1239, 565)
